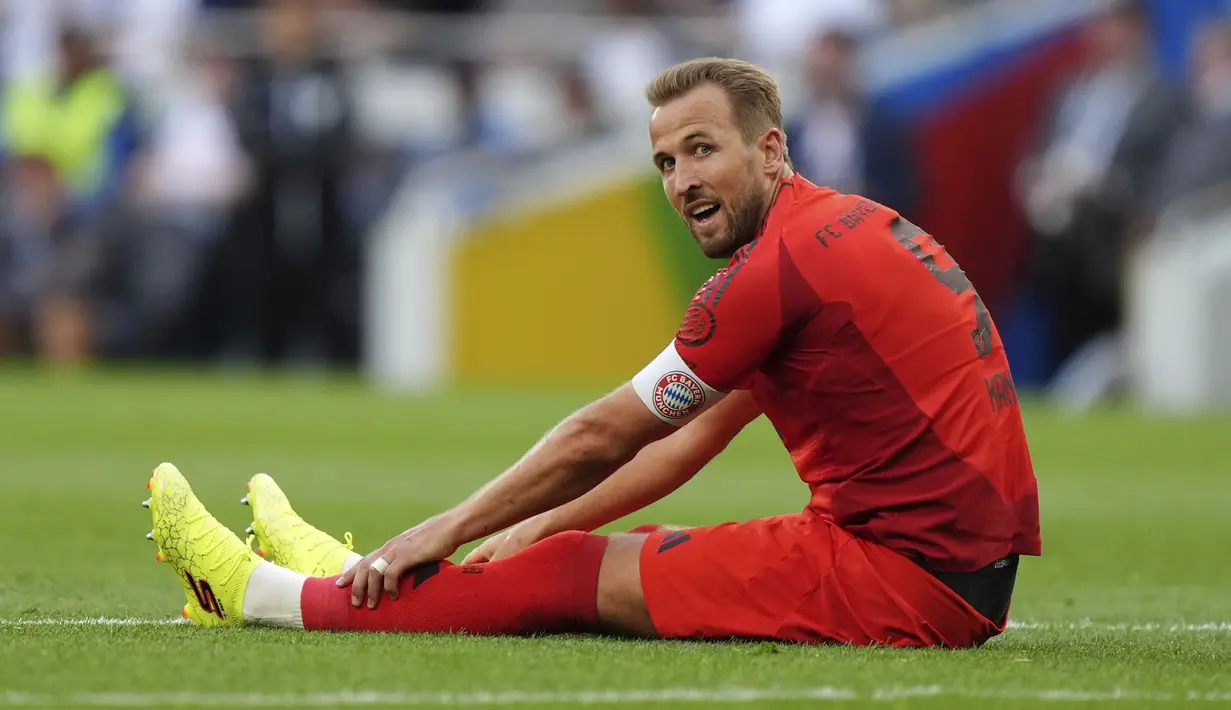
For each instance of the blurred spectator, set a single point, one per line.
(1100, 146)
(626, 52)
(31, 30)
(148, 39)
(776, 33)
(700, 28)
(581, 104)
(842, 140)
(194, 159)
(292, 269)
(163, 239)
(46, 264)
(522, 106)
(1199, 157)
(79, 119)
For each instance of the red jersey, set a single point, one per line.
(881, 370)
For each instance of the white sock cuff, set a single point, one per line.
(273, 597)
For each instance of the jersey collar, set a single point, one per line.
(784, 200)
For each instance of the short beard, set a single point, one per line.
(742, 226)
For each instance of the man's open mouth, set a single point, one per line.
(703, 213)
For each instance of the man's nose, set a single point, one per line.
(686, 181)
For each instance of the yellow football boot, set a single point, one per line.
(285, 539)
(211, 563)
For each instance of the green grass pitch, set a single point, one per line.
(1130, 606)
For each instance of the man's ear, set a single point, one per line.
(773, 151)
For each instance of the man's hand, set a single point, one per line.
(429, 541)
(509, 542)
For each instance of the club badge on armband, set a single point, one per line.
(678, 395)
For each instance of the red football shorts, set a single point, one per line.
(799, 578)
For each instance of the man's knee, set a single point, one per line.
(621, 601)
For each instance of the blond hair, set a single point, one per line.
(752, 91)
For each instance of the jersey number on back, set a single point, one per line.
(946, 271)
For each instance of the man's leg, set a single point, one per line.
(798, 578)
(790, 578)
(569, 582)
(291, 543)
(621, 601)
(551, 586)
(728, 581)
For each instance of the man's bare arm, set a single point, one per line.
(573, 458)
(577, 455)
(659, 469)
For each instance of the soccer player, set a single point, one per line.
(845, 324)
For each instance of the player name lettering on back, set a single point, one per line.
(1001, 391)
(850, 219)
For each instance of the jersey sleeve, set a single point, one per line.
(730, 327)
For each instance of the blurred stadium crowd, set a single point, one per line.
(195, 178)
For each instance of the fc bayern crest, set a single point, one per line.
(697, 327)
(678, 395)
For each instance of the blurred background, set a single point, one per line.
(229, 230)
(436, 193)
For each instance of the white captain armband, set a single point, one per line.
(671, 390)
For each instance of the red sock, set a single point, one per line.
(551, 586)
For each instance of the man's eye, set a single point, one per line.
(668, 163)
(704, 149)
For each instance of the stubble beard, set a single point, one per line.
(743, 222)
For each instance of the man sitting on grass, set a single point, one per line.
(850, 328)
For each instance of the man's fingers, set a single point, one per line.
(373, 588)
(484, 552)
(359, 582)
(393, 576)
(348, 575)
(508, 546)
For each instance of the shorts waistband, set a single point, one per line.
(988, 590)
